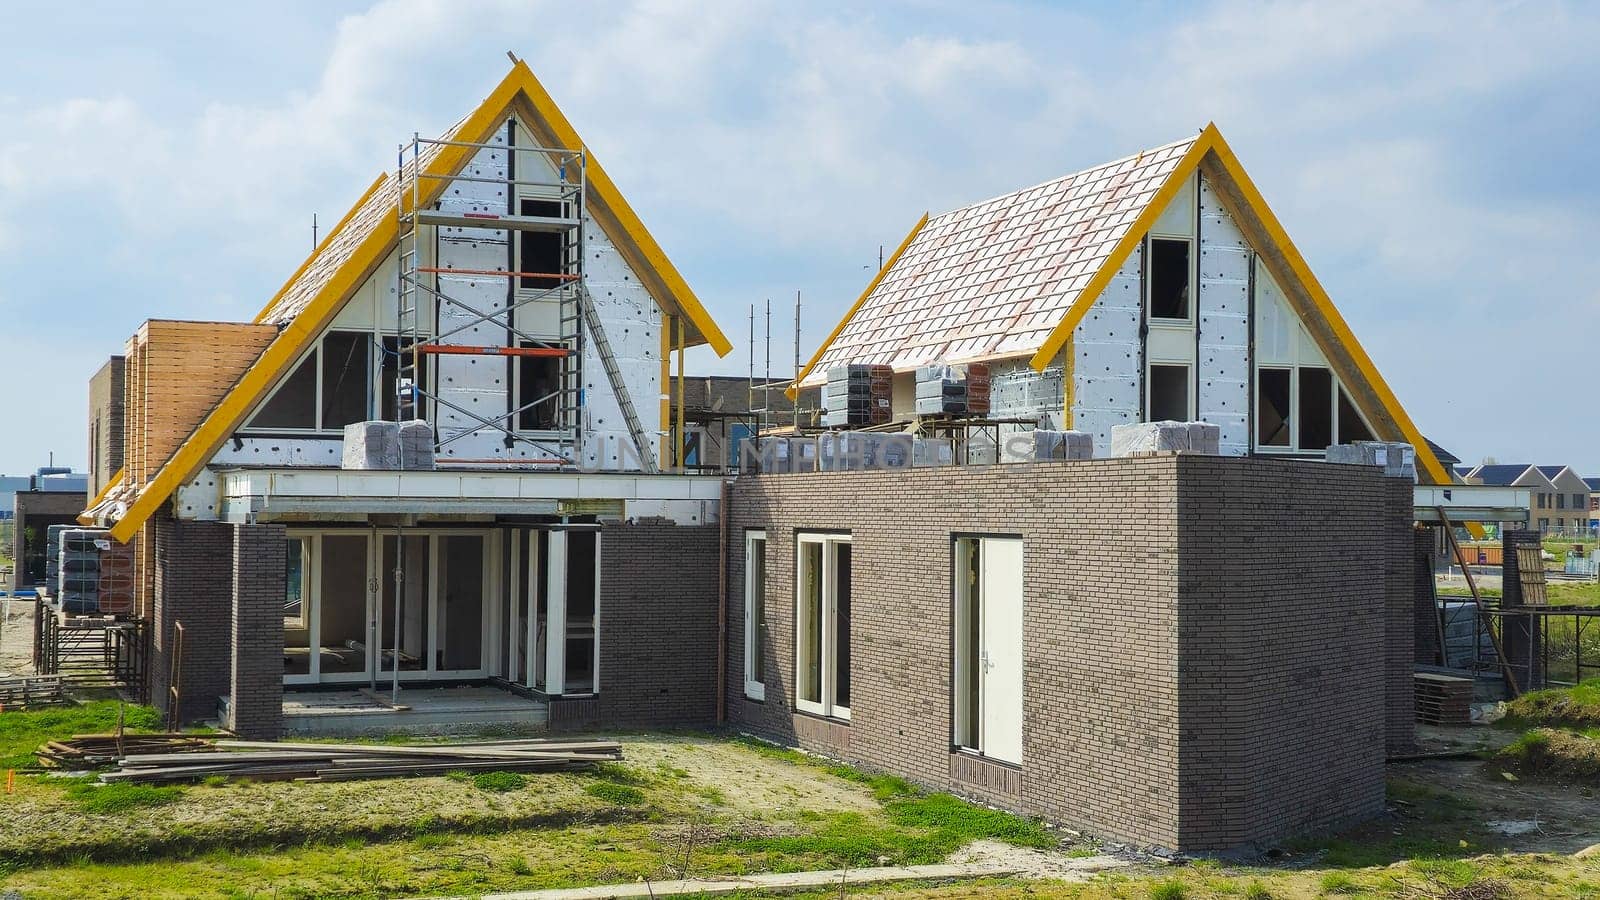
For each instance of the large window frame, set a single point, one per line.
(314, 358)
(755, 614)
(979, 627)
(817, 561)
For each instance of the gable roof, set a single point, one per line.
(1553, 472)
(1013, 276)
(354, 248)
(1502, 474)
(1593, 482)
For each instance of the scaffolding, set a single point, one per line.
(434, 321)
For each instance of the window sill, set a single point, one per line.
(822, 718)
(970, 753)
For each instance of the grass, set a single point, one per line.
(1573, 707)
(500, 782)
(104, 799)
(22, 732)
(1552, 754)
(615, 794)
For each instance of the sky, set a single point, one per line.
(1431, 161)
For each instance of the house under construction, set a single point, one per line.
(451, 451)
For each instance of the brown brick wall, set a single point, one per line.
(1131, 624)
(658, 625)
(106, 398)
(255, 681)
(1283, 648)
(194, 586)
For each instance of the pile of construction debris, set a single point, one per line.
(92, 751)
(283, 761)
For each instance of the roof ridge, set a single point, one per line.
(1070, 175)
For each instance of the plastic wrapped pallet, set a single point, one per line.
(933, 452)
(1205, 437)
(1398, 460)
(1149, 437)
(940, 391)
(371, 445)
(416, 446)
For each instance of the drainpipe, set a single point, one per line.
(722, 607)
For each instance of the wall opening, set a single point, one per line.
(1169, 393)
(1169, 278)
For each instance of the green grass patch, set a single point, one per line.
(499, 782)
(24, 731)
(615, 794)
(1171, 889)
(1338, 883)
(103, 799)
(1573, 707)
(1550, 754)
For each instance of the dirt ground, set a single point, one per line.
(16, 638)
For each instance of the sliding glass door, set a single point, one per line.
(561, 609)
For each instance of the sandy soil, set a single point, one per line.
(16, 638)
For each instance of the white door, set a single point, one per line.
(1000, 649)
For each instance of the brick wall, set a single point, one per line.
(1136, 631)
(105, 423)
(1282, 631)
(255, 681)
(35, 512)
(658, 625)
(194, 586)
(1400, 614)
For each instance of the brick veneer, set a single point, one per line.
(1204, 650)
(1400, 614)
(194, 586)
(658, 625)
(255, 681)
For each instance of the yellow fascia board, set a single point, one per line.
(365, 196)
(654, 259)
(297, 336)
(793, 391)
(84, 518)
(1325, 308)
(1185, 169)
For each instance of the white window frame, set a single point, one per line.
(827, 679)
(517, 400)
(1188, 384)
(1186, 322)
(1293, 369)
(754, 602)
(375, 353)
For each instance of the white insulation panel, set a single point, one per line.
(1223, 395)
(1105, 357)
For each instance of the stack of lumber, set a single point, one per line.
(88, 751)
(348, 762)
(1443, 699)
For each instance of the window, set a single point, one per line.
(389, 374)
(538, 401)
(1169, 393)
(755, 614)
(344, 378)
(1543, 500)
(1272, 408)
(1544, 524)
(1169, 278)
(1561, 501)
(1316, 408)
(327, 390)
(1577, 501)
(540, 250)
(294, 601)
(988, 647)
(822, 625)
(1351, 426)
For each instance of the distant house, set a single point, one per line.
(1594, 500)
(1559, 500)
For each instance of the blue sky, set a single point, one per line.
(1432, 162)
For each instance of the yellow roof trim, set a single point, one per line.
(1324, 307)
(612, 201)
(1211, 141)
(84, 518)
(332, 232)
(297, 335)
(793, 390)
(1184, 170)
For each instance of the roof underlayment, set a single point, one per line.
(992, 280)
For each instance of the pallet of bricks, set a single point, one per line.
(1443, 699)
(951, 391)
(96, 573)
(859, 395)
